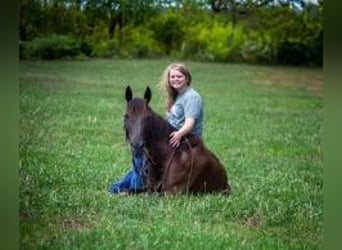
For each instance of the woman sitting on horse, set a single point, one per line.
(184, 112)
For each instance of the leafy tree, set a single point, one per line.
(286, 31)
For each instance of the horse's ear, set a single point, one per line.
(148, 94)
(129, 93)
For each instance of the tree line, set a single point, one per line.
(254, 31)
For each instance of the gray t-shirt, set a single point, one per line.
(187, 104)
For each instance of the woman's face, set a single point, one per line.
(177, 80)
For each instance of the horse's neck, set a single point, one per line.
(158, 142)
(161, 128)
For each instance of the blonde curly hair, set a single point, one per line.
(164, 84)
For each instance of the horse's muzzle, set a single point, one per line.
(137, 148)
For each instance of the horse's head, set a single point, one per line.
(136, 118)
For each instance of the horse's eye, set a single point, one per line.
(125, 120)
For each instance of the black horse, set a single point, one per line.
(190, 168)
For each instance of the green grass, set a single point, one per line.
(264, 123)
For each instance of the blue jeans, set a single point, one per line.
(133, 181)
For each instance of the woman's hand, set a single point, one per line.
(175, 138)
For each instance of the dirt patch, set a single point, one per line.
(304, 79)
(253, 222)
(73, 224)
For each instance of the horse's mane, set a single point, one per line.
(159, 125)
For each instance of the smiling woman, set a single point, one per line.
(184, 104)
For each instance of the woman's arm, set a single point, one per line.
(176, 136)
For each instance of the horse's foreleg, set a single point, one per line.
(153, 180)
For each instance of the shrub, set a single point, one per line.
(106, 48)
(168, 31)
(133, 42)
(86, 48)
(293, 53)
(317, 49)
(53, 47)
(257, 47)
(139, 42)
(219, 42)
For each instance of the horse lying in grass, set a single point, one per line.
(190, 168)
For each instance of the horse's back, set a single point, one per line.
(211, 174)
(196, 169)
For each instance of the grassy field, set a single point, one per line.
(264, 123)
